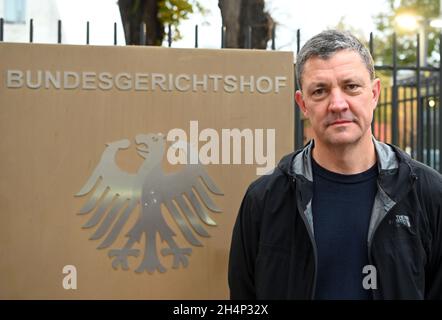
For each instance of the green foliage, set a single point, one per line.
(406, 40)
(342, 25)
(172, 12)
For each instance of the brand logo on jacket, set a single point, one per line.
(403, 220)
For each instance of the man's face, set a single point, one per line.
(338, 97)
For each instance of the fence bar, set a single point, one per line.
(420, 114)
(273, 36)
(440, 103)
(1, 28)
(434, 126)
(196, 36)
(371, 52)
(411, 68)
(299, 128)
(413, 125)
(87, 32)
(115, 33)
(249, 38)
(378, 133)
(126, 33)
(401, 127)
(427, 123)
(404, 128)
(223, 37)
(59, 32)
(384, 111)
(169, 36)
(31, 30)
(394, 102)
(142, 34)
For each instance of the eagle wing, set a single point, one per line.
(114, 188)
(179, 189)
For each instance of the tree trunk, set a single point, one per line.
(133, 13)
(238, 16)
(230, 12)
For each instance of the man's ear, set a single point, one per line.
(376, 91)
(300, 101)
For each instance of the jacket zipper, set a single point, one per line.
(313, 243)
(370, 260)
(370, 242)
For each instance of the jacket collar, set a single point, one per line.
(386, 156)
(301, 164)
(393, 164)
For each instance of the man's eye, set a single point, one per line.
(352, 87)
(318, 92)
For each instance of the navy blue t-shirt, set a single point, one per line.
(341, 208)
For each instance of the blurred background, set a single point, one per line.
(403, 36)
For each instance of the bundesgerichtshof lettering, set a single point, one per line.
(124, 81)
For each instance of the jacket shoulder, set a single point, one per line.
(271, 187)
(428, 179)
(265, 184)
(279, 177)
(429, 190)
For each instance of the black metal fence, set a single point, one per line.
(409, 112)
(143, 36)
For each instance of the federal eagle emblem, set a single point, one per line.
(115, 195)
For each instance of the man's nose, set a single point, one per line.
(338, 103)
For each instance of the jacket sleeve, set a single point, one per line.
(434, 270)
(243, 250)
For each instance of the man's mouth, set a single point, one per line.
(340, 122)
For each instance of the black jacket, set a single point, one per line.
(273, 251)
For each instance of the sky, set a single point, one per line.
(310, 16)
(101, 15)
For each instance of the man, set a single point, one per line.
(346, 217)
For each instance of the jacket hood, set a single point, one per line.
(285, 164)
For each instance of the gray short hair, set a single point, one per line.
(325, 44)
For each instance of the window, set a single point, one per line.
(15, 11)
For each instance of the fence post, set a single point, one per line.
(440, 103)
(394, 102)
(87, 32)
(31, 30)
(196, 36)
(273, 36)
(420, 110)
(126, 33)
(249, 38)
(299, 128)
(372, 55)
(169, 36)
(115, 33)
(427, 126)
(223, 37)
(1, 29)
(142, 34)
(59, 32)
(404, 131)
